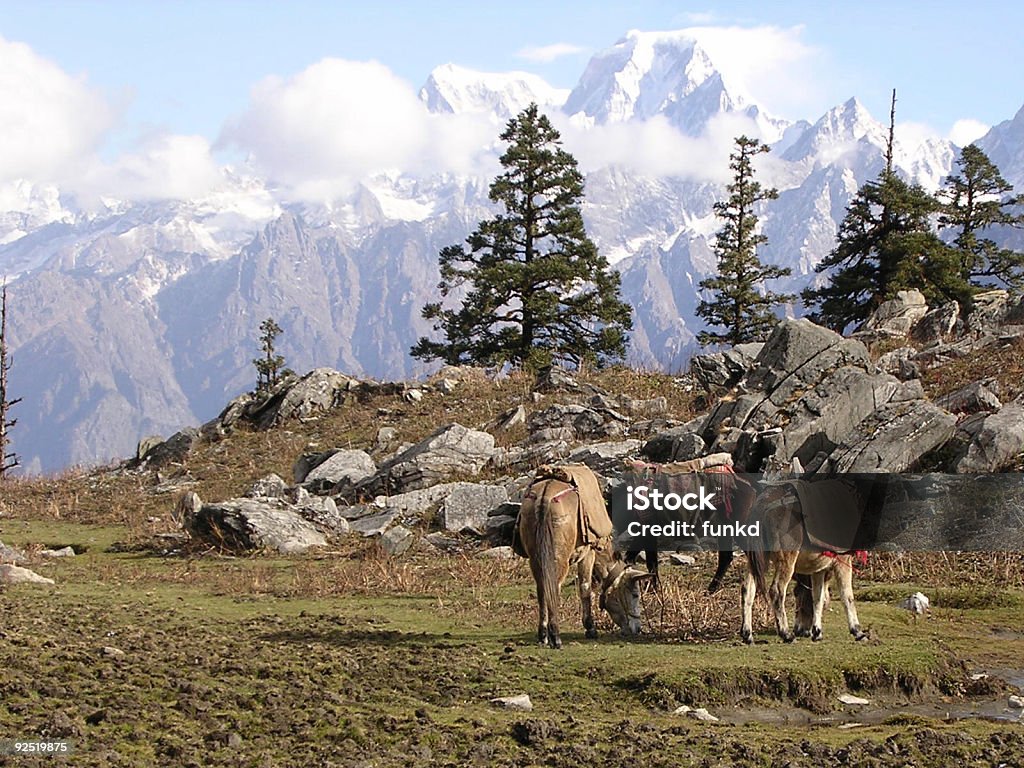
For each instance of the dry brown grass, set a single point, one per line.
(228, 467)
(1003, 363)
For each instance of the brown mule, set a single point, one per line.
(554, 534)
(787, 548)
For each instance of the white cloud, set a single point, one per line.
(545, 54)
(337, 122)
(655, 148)
(49, 121)
(768, 64)
(164, 167)
(911, 134)
(966, 131)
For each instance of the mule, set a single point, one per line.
(713, 471)
(553, 533)
(787, 547)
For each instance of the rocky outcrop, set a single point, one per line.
(173, 450)
(319, 390)
(893, 438)
(722, 370)
(998, 444)
(451, 450)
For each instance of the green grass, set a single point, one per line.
(355, 659)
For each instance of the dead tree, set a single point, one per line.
(8, 459)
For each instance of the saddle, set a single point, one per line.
(831, 513)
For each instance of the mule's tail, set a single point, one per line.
(547, 557)
(757, 561)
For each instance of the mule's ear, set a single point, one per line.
(635, 576)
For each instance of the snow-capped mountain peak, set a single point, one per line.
(454, 89)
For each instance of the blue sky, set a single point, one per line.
(185, 66)
(170, 77)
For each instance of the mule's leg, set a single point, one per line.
(843, 575)
(786, 564)
(542, 610)
(584, 581)
(818, 582)
(651, 556)
(747, 594)
(804, 605)
(724, 561)
(554, 637)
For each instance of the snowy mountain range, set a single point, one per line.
(136, 318)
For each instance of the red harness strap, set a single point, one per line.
(860, 557)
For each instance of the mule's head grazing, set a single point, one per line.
(620, 596)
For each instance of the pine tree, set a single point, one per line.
(737, 303)
(885, 244)
(973, 201)
(538, 291)
(8, 459)
(269, 368)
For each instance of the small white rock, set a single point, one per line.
(62, 552)
(679, 559)
(848, 726)
(979, 676)
(521, 702)
(849, 698)
(917, 603)
(413, 395)
(1017, 702)
(112, 652)
(702, 714)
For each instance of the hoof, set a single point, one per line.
(803, 632)
(858, 635)
(816, 634)
(591, 633)
(787, 637)
(747, 637)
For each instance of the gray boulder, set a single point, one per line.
(938, 324)
(468, 505)
(324, 514)
(14, 574)
(605, 457)
(722, 370)
(244, 525)
(11, 554)
(173, 450)
(341, 471)
(576, 422)
(506, 420)
(451, 450)
(975, 397)
(397, 540)
(988, 311)
(375, 524)
(270, 487)
(900, 363)
(894, 438)
(998, 444)
(897, 317)
(385, 439)
(554, 378)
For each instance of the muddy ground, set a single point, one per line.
(350, 659)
